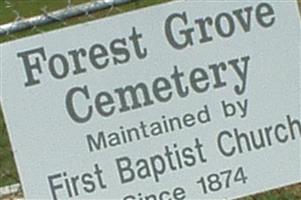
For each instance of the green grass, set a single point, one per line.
(8, 172)
(27, 8)
(288, 193)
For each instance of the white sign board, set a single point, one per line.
(186, 100)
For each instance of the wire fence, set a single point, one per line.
(61, 15)
(19, 20)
